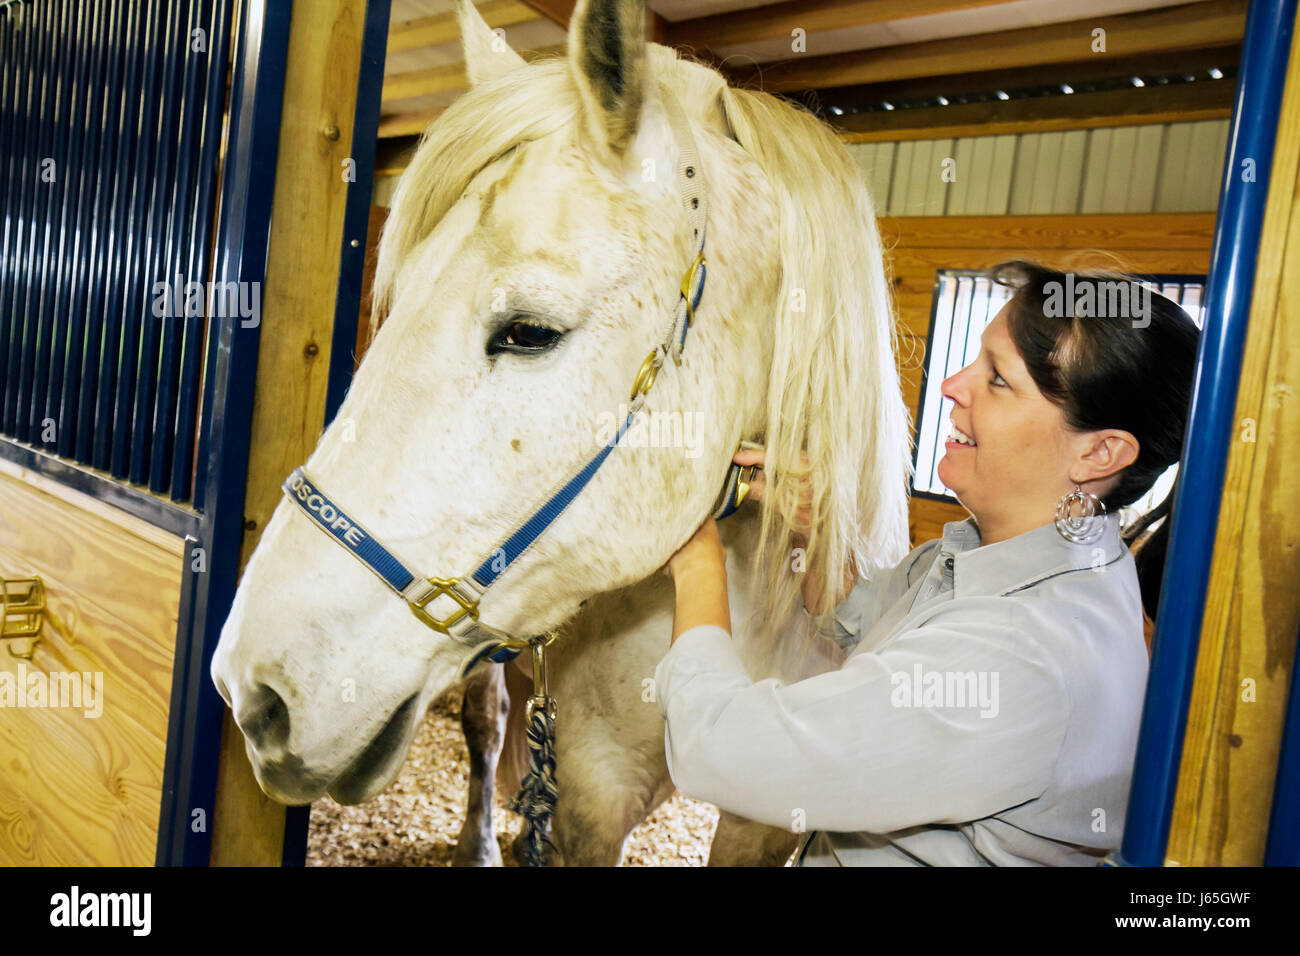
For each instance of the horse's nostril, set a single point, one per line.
(264, 719)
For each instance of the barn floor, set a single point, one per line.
(415, 821)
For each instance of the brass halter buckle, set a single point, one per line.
(440, 587)
(645, 376)
(688, 284)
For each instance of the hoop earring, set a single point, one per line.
(1080, 528)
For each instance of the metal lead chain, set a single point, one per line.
(538, 791)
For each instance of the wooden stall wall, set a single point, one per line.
(918, 245)
(82, 785)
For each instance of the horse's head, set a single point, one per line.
(534, 256)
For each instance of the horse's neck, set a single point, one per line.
(642, 612)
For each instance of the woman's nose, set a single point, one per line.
(954, 387)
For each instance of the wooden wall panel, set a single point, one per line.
(76, 789)
(918, 246)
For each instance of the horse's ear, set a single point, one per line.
(487, 55)
(607, 54)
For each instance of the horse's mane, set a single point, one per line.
(833, 387)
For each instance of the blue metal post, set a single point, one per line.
(356, 217)
(1210, 429)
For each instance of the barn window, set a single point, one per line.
(965, 302)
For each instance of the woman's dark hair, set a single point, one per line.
(1111, 354)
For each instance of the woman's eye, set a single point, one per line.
(523, 338)
(998, 381)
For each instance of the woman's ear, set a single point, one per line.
(1110, 452)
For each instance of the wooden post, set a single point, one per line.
(297, 328)
(1248, 635)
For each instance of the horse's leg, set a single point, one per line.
(483, 718)
(605, 797)
(741, 842)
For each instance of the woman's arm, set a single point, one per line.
(699, 572)
(699, 568)
(877, 745)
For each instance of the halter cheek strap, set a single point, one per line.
(418, 592)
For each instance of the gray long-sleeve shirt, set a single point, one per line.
(987, 713)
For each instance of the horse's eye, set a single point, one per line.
(523, 338)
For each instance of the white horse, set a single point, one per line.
(534, 254)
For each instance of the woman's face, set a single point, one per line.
(1019, 466)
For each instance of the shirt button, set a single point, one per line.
(947, 563)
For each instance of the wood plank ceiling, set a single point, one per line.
(878, 69)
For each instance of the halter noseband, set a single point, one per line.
(450, 605)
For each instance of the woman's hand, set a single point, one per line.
(799, 509)
(799, 512)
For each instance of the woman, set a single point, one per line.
(987, 713)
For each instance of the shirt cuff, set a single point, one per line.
(699, 650)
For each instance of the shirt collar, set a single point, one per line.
(1027, 558)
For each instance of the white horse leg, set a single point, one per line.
(741, 842)
(611, 778)
(483, 718)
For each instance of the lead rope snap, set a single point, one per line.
(538, 791)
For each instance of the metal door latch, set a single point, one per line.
(22, 601)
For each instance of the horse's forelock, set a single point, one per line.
(482, 126)
(485, 124)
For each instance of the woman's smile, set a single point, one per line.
(959, 439)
